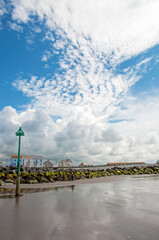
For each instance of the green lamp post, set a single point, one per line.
(19, 133)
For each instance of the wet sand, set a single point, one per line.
(117, 208)
(66, 183)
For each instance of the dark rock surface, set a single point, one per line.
(46, 175)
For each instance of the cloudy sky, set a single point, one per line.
(81, 77)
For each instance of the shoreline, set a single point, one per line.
(66, 183)
(8, 190)
(75, 182)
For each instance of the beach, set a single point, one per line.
(112, 208)
(65, 183)
(75, 182)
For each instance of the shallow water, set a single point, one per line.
(117, 210)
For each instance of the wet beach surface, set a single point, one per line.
(125, 208)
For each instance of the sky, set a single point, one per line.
(81, 77)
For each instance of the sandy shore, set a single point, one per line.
(122, 208)
(66, 183)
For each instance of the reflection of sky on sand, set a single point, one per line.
(125, 209)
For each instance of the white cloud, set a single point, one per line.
(46, 56)
(3, 11)
(125, 28)
(15, 26)
(2, 8)
(83, 137)
(96, 89)
(94, 37)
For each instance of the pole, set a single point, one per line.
(17, 193)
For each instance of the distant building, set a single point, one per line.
(1, 164)
(65, 163)
(84, 164)
(116, 164)
(47, 164)
(157, 162)
(27, 160)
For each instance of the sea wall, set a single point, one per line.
(45, 175)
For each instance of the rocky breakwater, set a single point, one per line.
(44, 175)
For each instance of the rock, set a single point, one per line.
(22, 181)
(11, 171)
(41, 174)
(9, 181)
(2, 175)
(31, 178)
(31, 181)
(1, 183)
(51, 179)
(43, 180)
(9, 176)
(24, 175)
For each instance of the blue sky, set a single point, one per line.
(80, 78)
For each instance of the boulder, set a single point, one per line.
(22, 180)
(1, 183)
(31, 181)
(43, 180)
(9, 181)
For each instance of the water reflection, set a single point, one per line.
(10, 192)
(17, 200)
(125, 209)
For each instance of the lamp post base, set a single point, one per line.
(17, 192)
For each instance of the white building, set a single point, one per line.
(65, 163)
(27, 160)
